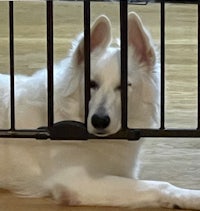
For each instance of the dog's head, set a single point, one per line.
(105, 104)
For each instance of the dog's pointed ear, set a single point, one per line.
(100, 33)
(140, 40)
(100, 37)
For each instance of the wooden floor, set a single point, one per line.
(11, 203)
(173, 160)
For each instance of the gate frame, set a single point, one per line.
(78, 131)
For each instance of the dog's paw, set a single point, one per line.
(64, 196)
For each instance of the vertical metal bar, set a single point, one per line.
(87, 55)
(124, 58)
(12, 74)
(198, 98)
(162, 60)
(49, 16)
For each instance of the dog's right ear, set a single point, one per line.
(100, 37)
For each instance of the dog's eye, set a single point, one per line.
(118, 88)
(93, 85)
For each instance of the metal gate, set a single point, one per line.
(70, 130)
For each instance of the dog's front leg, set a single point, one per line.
(122, 192)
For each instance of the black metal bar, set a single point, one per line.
(131, 134)
(49, 16)
(198, 97)
(124, 58)
(177, 1)
(162, 61)
(38, 134)
(169, 133)
(87, 56)
(12, 72)
(145, 2)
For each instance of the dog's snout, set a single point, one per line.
(100, 121)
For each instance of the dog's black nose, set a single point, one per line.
(100, 121)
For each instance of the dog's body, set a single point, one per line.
(94, 172)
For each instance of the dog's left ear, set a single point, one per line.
(100, 33)
(100, 38)
(140, 40)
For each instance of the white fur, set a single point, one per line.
(95, 172)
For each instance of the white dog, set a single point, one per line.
(95, 172)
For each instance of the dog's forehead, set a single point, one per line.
(107, 66)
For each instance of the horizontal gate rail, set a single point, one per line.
(37, 134)
(144, 2)
(59, 133)
(71, 130)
